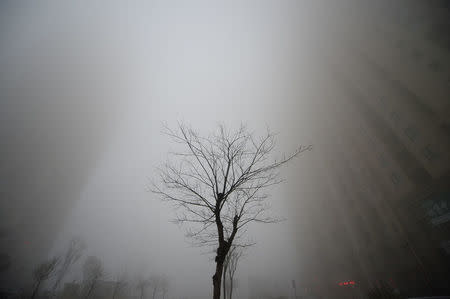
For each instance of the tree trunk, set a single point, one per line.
(222, 250)
(231, 287)
(58, 280)
(114, 291)
(217, 278)
(36, 288)
(91, 288)
(154, 293)
(224, 281)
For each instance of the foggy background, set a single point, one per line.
(86, 88)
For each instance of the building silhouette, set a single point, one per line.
(378, 205)
(52, 132)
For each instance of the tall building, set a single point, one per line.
(57, 112)
(381, 208)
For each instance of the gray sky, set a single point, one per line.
(201, 63)
(85, 76)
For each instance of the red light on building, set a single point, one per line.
(347, 283)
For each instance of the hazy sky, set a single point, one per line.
(167, 61)
(86, 87)
(146, 63)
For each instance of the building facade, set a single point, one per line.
(380, 210)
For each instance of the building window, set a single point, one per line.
(383, 161)
(397, 229)
(437, 207)
(367, 237)
(435, 66)
(399, 44)
(446, 246)
(429, 153)
(431, 213)
(411, 133)
(417, 54)
(395, 179)
(395, 117)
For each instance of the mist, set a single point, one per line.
(86, 90)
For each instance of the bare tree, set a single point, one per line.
(155, 283)
(164, 286)
(43, 272)
(230, 266)
(92, 272)
(218, 183)
(142, 285)
(119, 284)
(72, 255)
